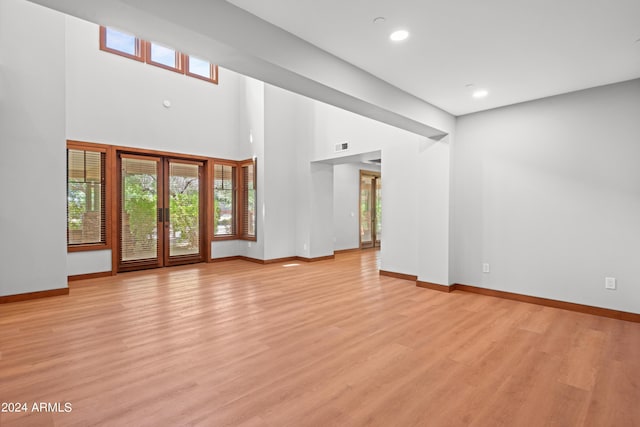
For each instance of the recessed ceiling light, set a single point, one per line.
(379, 20)
(398, 36)
(480, 93)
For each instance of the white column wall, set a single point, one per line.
(32, 149)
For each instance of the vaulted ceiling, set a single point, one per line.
(332, 50)
(517, 50)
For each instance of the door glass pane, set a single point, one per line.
(139, 233)
(365, 210)
(184, 209)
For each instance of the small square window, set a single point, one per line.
(121, 43)
(164, 57)
(201, 69)
(127, 45)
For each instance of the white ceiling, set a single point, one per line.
(517, 49)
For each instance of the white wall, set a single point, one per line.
(32, 149)
(433, 225)
(548, 193)
(88, 262)
(409, 199)
(320, 190)
(115, 100)
(250, 144)
(346, 203)
(287, 120)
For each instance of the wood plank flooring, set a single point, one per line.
(329, 343)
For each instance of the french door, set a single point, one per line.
(160, 212)
(370, 209)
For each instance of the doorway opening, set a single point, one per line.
(160, 211)
(370, 209)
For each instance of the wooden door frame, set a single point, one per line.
(376, 176)
(205, 201)
(186, 259)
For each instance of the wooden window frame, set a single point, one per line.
(243, 235)
(140, 48)
(240, 195)
(180, 58)
(87, 146)
(213, 72)
(236, 201)
(111, 194)
(143, 54)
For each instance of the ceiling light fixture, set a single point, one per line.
(480, 93)
(398, 36)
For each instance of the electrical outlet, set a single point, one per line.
(485, 267)
(610, 283)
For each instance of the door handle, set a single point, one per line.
(166, 215)
(160, 217)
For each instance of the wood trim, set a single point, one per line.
(92, 246)
(580, 308)
(398, 275)
(33, 295)
(370, 173)
(259, 261)
(273, 260)
(278, 260)
(242, 233)
(222, 238)
(130, 151)
(77, 277)
(226, 258)
(114, 220)
(206, 181)
(81, 145)
(320, 258)
(149, 157)
(435, 286)
(344, 251)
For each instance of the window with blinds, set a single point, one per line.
(248, 221)
(86, 195)
(224, 199)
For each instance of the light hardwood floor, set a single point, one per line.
(313, 344)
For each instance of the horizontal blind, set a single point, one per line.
(139, 209)
(248, 201)
(224, 197)
(86, 196)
